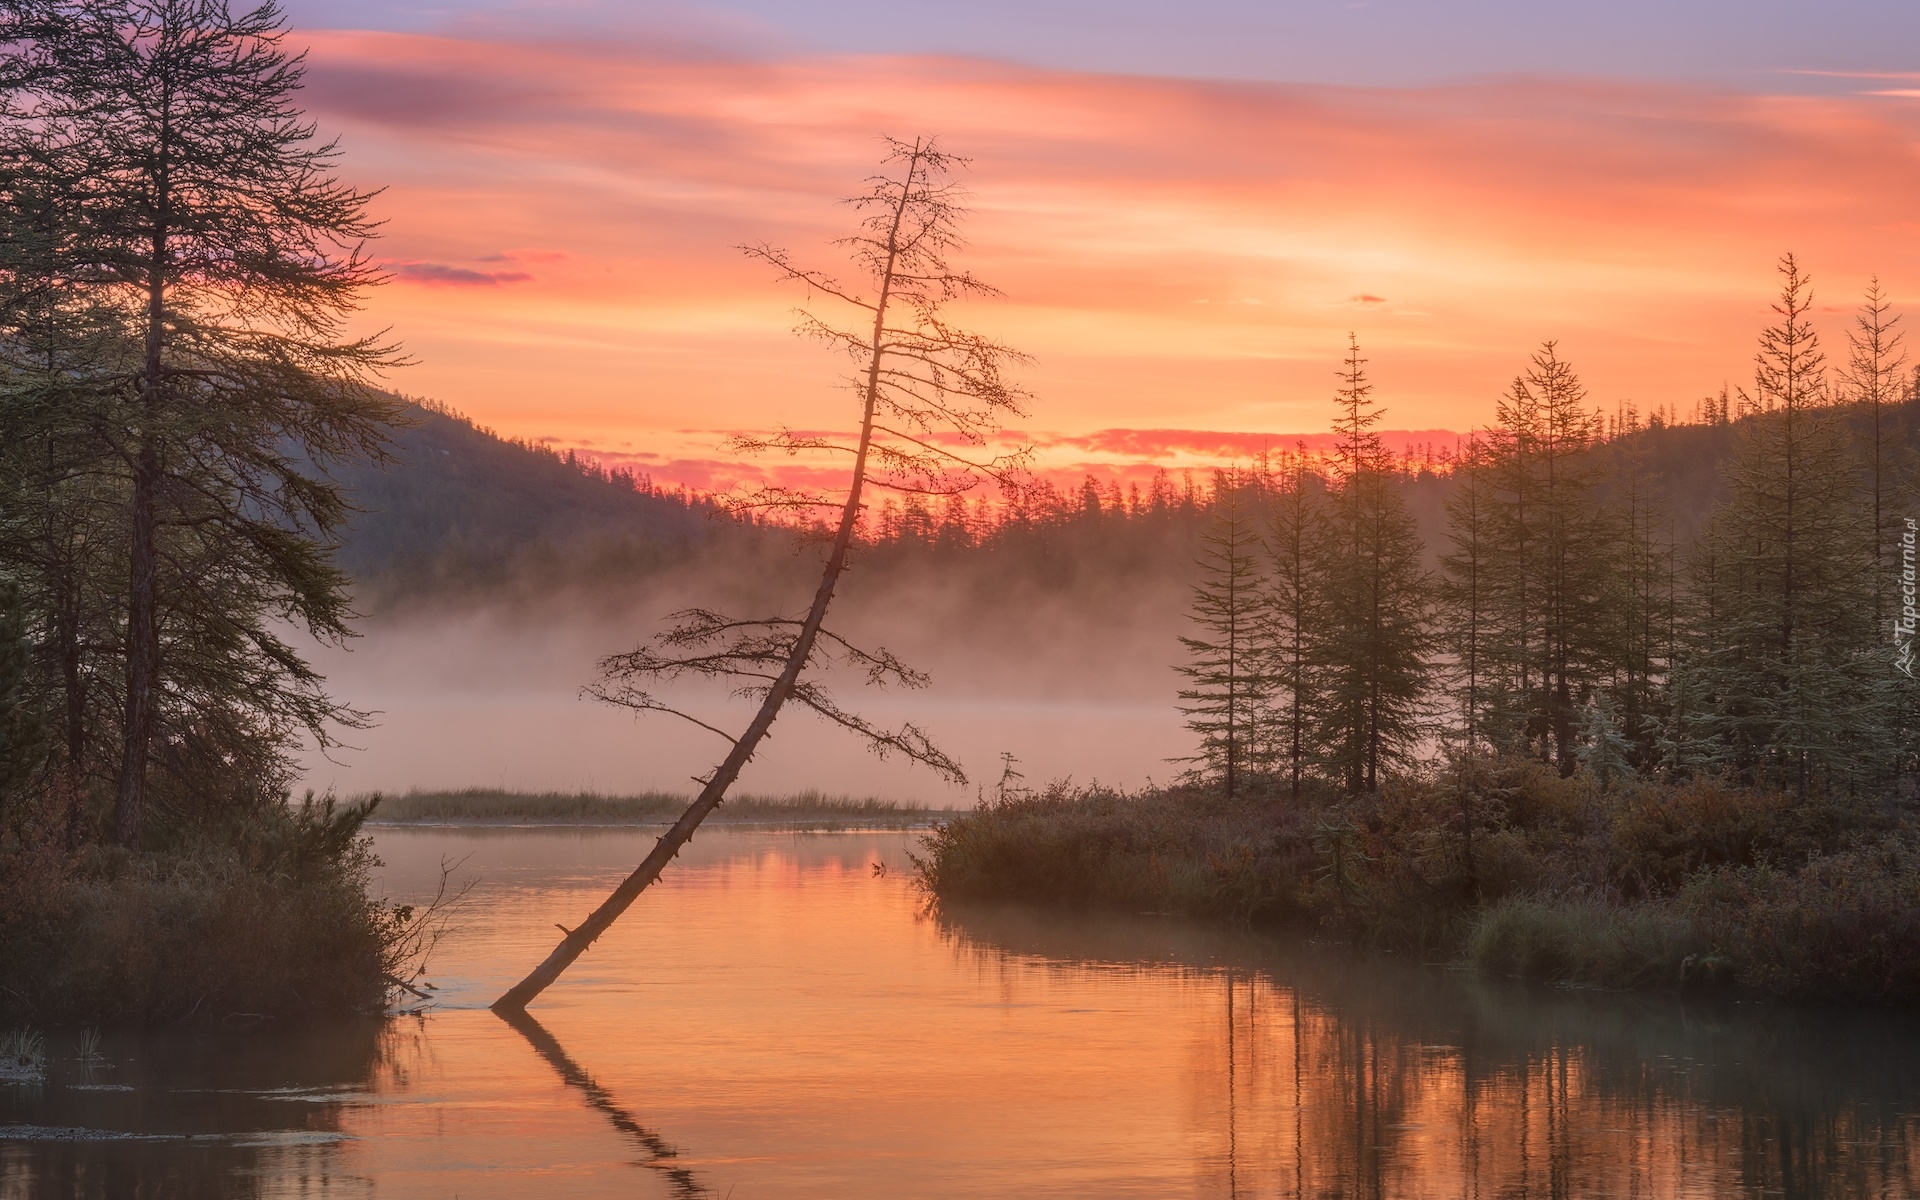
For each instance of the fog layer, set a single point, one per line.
(1067, 667)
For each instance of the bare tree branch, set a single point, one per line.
(926, 379)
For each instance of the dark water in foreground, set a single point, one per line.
(780, 1020)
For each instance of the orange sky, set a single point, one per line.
(1178, 255)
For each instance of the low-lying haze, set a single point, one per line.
(1074, 681)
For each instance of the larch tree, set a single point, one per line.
(1466, 616)
(1877, 384)
(1294, 538)
(1641, 629)
(1374, 655)
(1553, 572)
(1515, 648)
(931, 403)
(1876, 381)
(1795, 697)
(63, 360)
(211, 224)
(1227, 669)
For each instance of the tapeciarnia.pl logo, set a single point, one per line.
(1909, 618)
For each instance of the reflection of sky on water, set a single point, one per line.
(778, 1018)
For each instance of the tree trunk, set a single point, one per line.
(143, 631)
(143, 654)
(668, 847)
(575, 943)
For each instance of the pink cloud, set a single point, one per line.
(442, 275)
(1635, 222)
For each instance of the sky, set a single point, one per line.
(1187, 207)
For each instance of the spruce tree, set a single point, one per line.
(1227, 665)
(1373, 653)
(1877, 385)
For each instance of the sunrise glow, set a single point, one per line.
(1181, 258)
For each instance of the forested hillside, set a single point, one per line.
(456, 497)
(461, 506)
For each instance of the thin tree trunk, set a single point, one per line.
(668, 847)
(142, 656)
(143, 633)
(74, 686)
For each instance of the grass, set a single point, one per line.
(1695, 885)
(23, 1056)
(810, 809)
(23, 1047)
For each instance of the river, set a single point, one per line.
(784, 1016)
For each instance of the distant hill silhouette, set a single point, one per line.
(462, 506)
(458, 497)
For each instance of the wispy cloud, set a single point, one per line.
(442, 275)
(1852, 74)
(1177, 254)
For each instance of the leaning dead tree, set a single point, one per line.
(933, 403)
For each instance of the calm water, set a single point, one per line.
(779, 1019)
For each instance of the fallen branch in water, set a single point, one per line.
(403, 985)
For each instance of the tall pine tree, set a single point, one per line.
(1294, 546)
(1552, 571)
(1466, 592)
(1373, 654)
(1228, 688)
(214, 228)
(1795, 695)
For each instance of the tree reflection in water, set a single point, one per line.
(1351, 1076)
(661, 1155)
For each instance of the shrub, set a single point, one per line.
(1844, 926)
(1588, 939)
(271, 916)
(1658, 886)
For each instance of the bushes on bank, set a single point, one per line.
(1503, 864)
(1587, 939)
(267, 915)
(1178, 850)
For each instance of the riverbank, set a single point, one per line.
(1507, 867)
(782, 1019)
(811, 810)
(258, 916)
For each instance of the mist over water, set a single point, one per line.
(484, 690)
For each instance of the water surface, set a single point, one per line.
(783, 1017)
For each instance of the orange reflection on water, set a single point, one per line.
(780, 1019)
(795, 1024)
